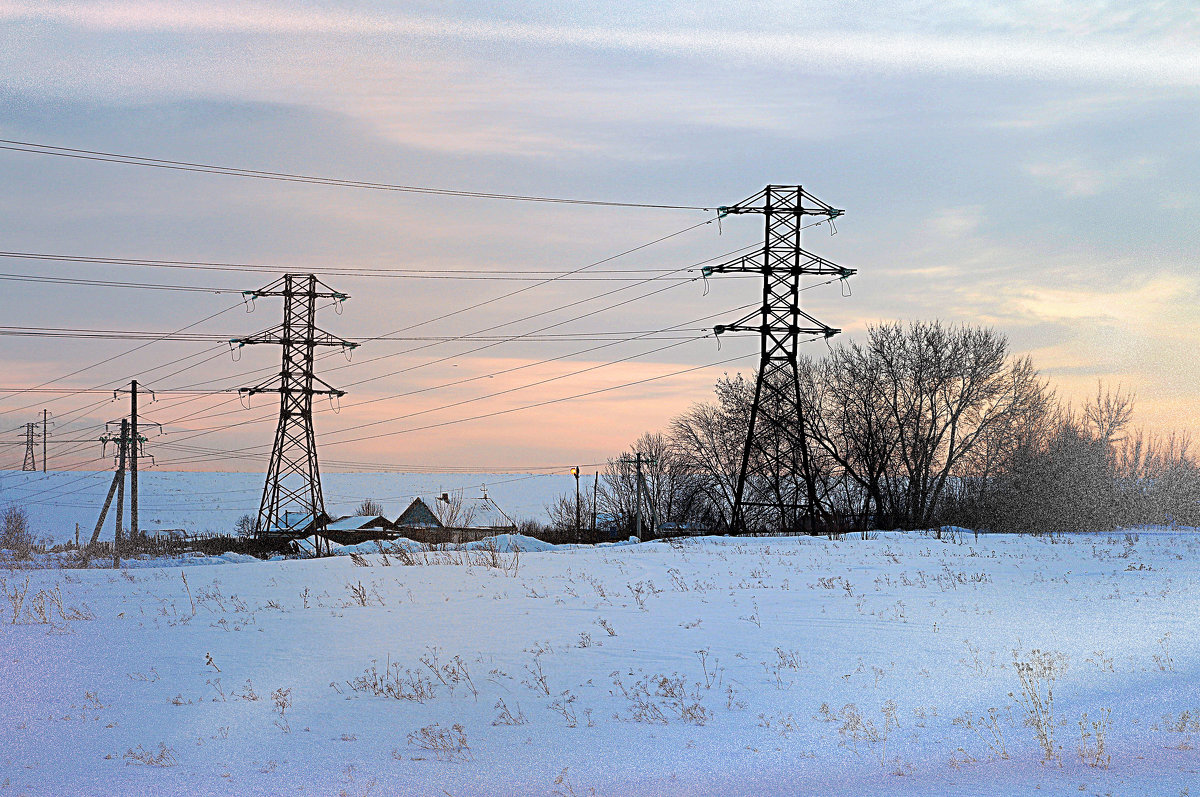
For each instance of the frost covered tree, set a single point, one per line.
(15, 535)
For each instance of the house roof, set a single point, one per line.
(487, 515)
(356, 522)
(418, 515)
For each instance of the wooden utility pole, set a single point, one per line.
(117, 487)
(595, 502)
(120, 492)
(133, 464)
(639, 494)
(45, 434)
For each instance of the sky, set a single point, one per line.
(1030, 166)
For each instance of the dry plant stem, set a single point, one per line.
(1037, 676)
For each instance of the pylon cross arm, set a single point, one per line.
(805, 263)
(758, 203)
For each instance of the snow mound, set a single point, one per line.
(507, 543)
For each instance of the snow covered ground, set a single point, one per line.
(201, 502)
(902, 664)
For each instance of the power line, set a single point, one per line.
(78, 391)
(486, 275)
(250, 453)
(404, 329)
(107, 360)
(118, 334)
(261, 174)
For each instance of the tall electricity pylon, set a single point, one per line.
(29, 463)
(291, 502)
(776, 450)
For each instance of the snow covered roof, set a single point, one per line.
(487, 515)
(295, 522)
(356, 522)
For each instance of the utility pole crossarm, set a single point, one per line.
(741, 326)
(754, 263)
(283, 287)
(762, 203)
(275, 385)
(277, 335)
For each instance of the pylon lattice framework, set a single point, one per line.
(29, 463)
(291, 502)
(776, 450)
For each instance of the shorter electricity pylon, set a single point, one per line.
(29, 463)
(292, 504)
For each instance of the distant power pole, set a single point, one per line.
(640, 488)
(776, 443)
(124, 446)
(117, 487)
(45, 436)
(30, 463)
(291, 500)
(136, 450)
(133, 461)
(130, 447)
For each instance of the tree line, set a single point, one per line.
(922, 424)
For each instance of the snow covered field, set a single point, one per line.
(202, 502)
(902, 664)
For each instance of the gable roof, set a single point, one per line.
(487, 515)
(418, 515)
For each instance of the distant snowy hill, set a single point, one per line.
(198, 502)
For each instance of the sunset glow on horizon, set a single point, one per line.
(1033, 170)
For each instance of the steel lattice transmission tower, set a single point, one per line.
(776, 450)
(291, 502)
(29, 463)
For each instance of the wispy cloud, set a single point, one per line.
(1101, 55)
(1074, 177)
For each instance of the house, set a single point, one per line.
(358, 528)
(477, 518)
(417, 516)
(296, 524)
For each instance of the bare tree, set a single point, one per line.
(851, 424)
(948, 390)
(1107, 416)
(707, 442)
(245, 526)
(453, 510)
(670, 488)
(565, 521)
(369, 508)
